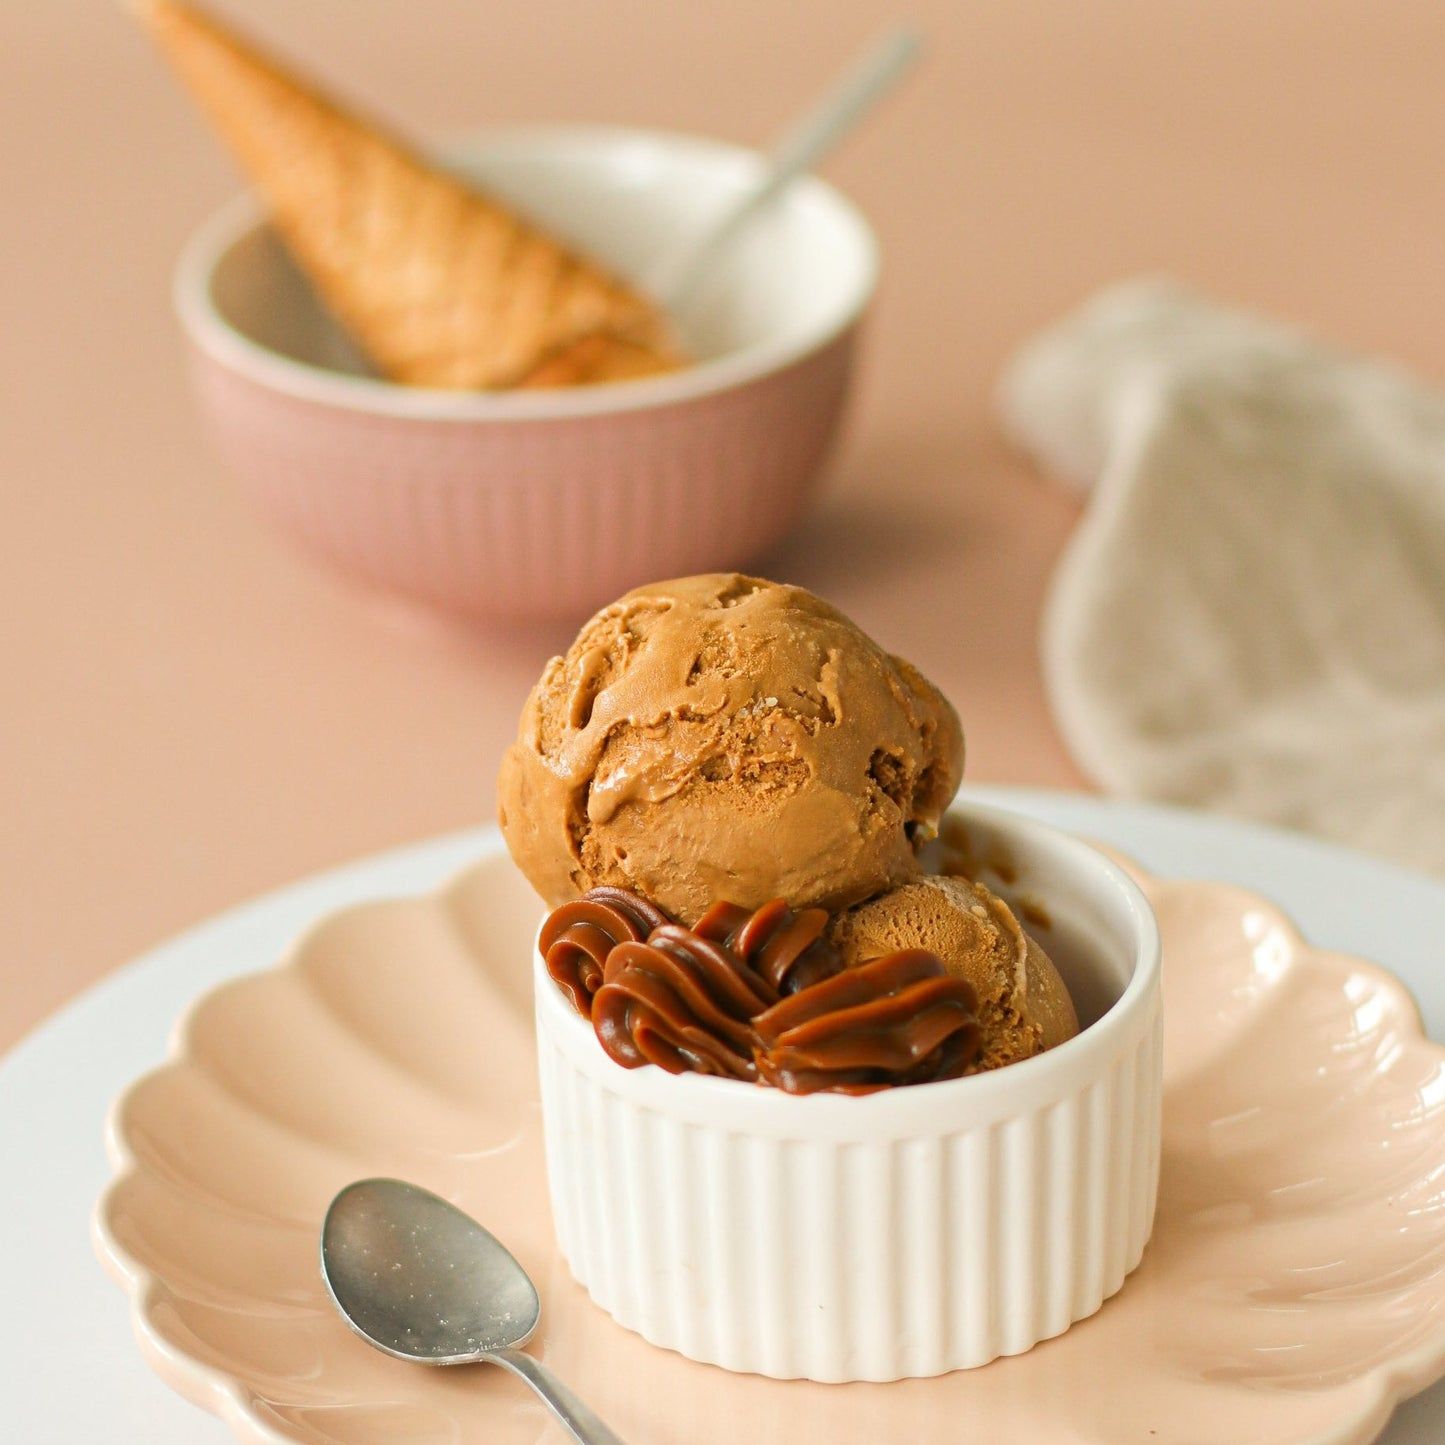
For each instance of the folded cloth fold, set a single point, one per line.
(1251, 614)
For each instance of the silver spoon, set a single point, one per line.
(677, 280)
(420, 1280)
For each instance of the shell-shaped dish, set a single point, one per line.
(1293, 1290)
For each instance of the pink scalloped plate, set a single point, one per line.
(1294, 1289)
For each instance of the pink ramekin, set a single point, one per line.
(548, 503)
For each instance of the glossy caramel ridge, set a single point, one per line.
(788, 948)
(577, 937)
(681, 1002)
(900, 1019)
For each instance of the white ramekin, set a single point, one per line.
(904, 1233)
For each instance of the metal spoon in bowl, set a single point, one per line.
(801, 147)
(420, 1280)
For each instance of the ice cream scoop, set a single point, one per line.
(725, 737)
(1023, 1004)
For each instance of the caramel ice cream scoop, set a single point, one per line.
(726, 737)
(1023, 1004)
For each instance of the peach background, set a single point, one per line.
(190, 715)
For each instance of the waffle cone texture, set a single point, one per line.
(439, 284)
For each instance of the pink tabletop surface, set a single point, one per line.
(191, 715)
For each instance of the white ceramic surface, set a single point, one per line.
(55, 1085)
(907, 1233)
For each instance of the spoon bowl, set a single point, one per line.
(417, 1278)
(420, 1280)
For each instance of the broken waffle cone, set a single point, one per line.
(439, 284)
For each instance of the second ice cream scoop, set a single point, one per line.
(1023, 1004)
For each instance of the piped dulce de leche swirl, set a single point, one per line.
(900, 1019)
(757, 995)
(787, 948)
(682, 1002)
(577, 937)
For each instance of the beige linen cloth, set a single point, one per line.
(1251, 615)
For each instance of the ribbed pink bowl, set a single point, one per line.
(545, 504)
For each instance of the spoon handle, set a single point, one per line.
(585, 1426)
(799, 150)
